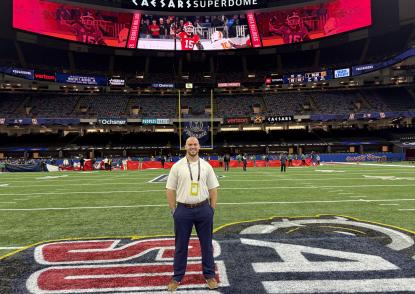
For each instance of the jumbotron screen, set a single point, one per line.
(72, 22)
(300, 24)
(213, 32)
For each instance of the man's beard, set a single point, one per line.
(192, 154)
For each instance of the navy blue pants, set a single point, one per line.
(184, 219)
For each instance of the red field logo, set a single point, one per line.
(325, 254)
(107, 265)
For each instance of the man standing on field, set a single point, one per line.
(192, 195)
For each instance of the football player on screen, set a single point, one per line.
(292, 31)
(218, 41)
(86, 31)
(188, 38)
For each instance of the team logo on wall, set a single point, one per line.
(258, 119)
(198, 129)
(323, 254)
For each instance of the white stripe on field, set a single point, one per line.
(109, 182)
(275, 177)
(407, 209)
(223, 203)
(10, 248)
(373, 164)
(341, 286)
(162, 190)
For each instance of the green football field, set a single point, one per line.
(38, 207)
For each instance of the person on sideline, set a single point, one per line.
(283, 159)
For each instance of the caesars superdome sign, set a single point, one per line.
(195, 5)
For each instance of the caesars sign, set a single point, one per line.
(195, 5)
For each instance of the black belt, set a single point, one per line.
(194, 205)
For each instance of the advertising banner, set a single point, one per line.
(194, 5)
(156, 121)
(236, 120)
(112, 121)
(45, 76)
(28, 74)
(229, 85)
(116, 82)
(82, 80)
(278, 119)
(135, 26)
(342, 73)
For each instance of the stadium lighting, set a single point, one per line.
(230, 129)
(95, 130)
(296, 127)
(251, 128)
(274, 128)
(166, 130)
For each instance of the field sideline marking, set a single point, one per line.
(219, 203)
(10, 248)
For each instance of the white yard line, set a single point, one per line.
(316, 187)
(149, 177)
(230, 188)
(10, 248)
(82, 192)
(391, 204)
(374, 164)
(407, 209)
(108, 182)
(220, 203)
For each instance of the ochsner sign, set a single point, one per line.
(112, 121)
(197, 5)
